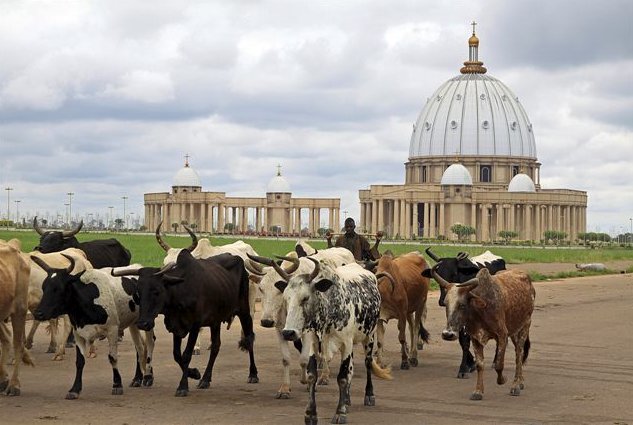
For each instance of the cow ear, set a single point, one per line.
(281, 285)
(172, 280)
(136, 298)
(477, 302)
(323, 285)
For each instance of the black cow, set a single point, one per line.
(458, 270)
(193, 293)
(98, 305)
(101, 252)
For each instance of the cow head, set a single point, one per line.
(54, 241)
(458, 269)
(72, 294)
(271, 297)
(461, 302)
(299, 292)
(172, 253)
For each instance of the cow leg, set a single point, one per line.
(323, 350)
(478, 348)
(141, 357)
(196, 348)
(311, 417)
(28, 343)
(148, 378)
(247, 344)
(521, 345)
(370, 399)
(80, 361)
(423, 335)
(183, 360)
(62, 336)
(284, 390)
(402, 339)
(343, 380)
(18, 320)
(468, 362)
(113, 358)
(380, 340)
(215, 349)
(4, 354)
(304, 356)
(500, 354)
(414, 335)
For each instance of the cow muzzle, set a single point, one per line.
(267, 323)
(449, 335)
(289, 335)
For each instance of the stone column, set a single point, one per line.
(500, 221)
(442, 230)
(374, 217)
(529, 233)
(396, 218)
(473, 219)
(485, 223)
(415, 226)
(426, 221)
(432, 220)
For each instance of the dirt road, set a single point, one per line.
(580, 371)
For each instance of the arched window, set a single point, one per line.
(485, 174)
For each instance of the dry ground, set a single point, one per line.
(580, 371)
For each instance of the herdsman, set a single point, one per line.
(357, 244)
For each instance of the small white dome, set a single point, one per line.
(457, 174)
(278, 184)
(187, 176)
(521, 183)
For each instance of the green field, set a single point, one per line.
(145, 250)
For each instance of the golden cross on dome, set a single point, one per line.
(187, 156)
(279, 169)
(473, 24)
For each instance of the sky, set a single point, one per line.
(104, 99)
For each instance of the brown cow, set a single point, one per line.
(403, 291)
(492, 307)
(14, 291)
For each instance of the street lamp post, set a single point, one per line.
(124, 216)
(17, 210)
(67, 218)
(70, 208)
(8, 189)
(110, 222)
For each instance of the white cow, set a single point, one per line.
(274, 308)
(203, 249)
(591, 267)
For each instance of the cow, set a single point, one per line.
(98, 305)
(274, 310)
(460, 269)
(192, 293)
(591, 267)
(36, 279)
(303, 249)
(203, 249)
(403, 291)
(492, 307)
(14, 291)
(341, 306)
(101, 252)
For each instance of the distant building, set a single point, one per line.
(472, 161)
(214, 212)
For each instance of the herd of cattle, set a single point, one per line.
(323, 302)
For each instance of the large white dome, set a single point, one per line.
(278, 184)
(187, 176)
(521, 183)
(457, 174)
(473, 114)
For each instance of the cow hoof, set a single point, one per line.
(193, 373)
(13, 391)
(420, 346)
(370, 400)
(476, 396)
(28, 345)
(339, 419)
(148, 380)
(92, 355)
(404, 365)
(204, 384)
(4, 385)
(253, 379)
(196, 351)
(135, 383)
(282, 395)
(51, 349)
(413, 362)
(311, 420)
(58, 357)
(182, 393)
(117, 391)
(463, 375)
(323, 381)
(501, 380)
(521, 386)
(515, 391)
(72, 396)
(69, 345)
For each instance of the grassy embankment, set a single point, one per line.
(146, 251)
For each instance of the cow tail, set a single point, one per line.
(382, 373)
(526, 349)
(424, 334)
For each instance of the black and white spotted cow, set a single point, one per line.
(341, 307)
(98, 305)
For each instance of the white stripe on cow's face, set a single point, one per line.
(297, 297)
(455, 306)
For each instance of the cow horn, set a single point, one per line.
(440, 280)
(194, 238)
(69, 233)
(388, 276)
(462, 255)
(430, 254)
(370, 264)
(295, 264)
(124, 272)
(471, 284)
(316, 270)
(160, 240)
(261, 260)
(37, 227)
(42, 264)
(254, 268)
(72, 263)
(167, 267)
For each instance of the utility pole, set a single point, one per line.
(70, 208)
(17, 211)
(8, 189)
(110, 222)
(124, 216)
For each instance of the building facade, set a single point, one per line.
(214, 212)
(472, 161)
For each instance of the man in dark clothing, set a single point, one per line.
(357, 244)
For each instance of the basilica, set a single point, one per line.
(472, 161)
